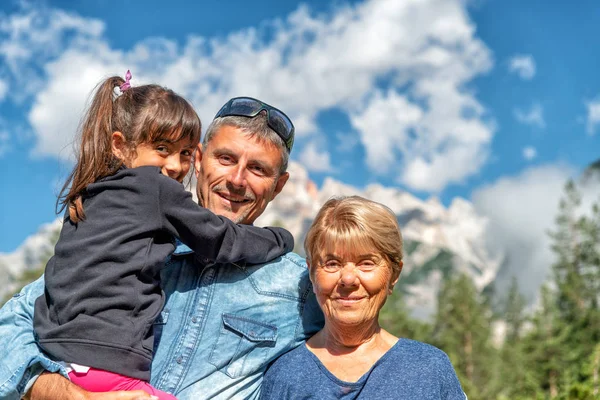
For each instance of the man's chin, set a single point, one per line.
(237, 217)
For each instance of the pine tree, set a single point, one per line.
(545, 347)
(463, 330)
(589, 387)
(513, 372)
(396, 319)
(576, 243)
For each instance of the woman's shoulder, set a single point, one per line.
(419, 351)
(293, 359)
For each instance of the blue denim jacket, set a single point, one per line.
(220, 328)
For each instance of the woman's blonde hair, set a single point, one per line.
(355, 222)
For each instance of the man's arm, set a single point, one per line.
(312, 315)
(21, 360)
(55, 387)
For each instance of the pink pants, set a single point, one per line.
(97, 380)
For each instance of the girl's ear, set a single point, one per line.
(119, 145)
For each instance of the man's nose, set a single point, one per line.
(237, 177)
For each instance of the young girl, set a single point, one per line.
(126, 205)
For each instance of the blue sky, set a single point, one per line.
(446, 98)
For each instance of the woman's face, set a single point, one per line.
(351, 286)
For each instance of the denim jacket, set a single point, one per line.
(221, 327)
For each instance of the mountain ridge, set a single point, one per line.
(439, 240)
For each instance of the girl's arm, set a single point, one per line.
(216, 238)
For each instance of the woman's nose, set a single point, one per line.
(349, 276)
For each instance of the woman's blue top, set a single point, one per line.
(410, 370)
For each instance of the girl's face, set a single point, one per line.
(174, 158)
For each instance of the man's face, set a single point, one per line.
(238, 175)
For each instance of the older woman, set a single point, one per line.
(354, 253)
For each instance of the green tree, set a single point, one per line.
(463, 330)
(396, 319)
(514, 380)
(576, 243)
(545, 346)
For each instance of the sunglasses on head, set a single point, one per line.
(249, 107)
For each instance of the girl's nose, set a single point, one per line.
(173, 167)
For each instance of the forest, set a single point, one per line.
(551, 352)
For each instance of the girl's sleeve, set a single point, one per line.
(216, 238)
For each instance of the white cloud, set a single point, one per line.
(440, 145)
(426, 50)
(3, 89)
(387, 123)
(593, 116)
(533, 117)
(529, 153)
(315, 159)
(57, 110)
(36, 35)
(521, 210)
(522, 65)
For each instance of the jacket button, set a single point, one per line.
(179, 360)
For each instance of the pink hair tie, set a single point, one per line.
(127, 84)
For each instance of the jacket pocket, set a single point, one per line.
(243, 345)
(159, 325)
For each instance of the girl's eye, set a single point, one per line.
(187, 153)
(162, 149)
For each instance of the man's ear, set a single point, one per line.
(281, 181)
(119, 145)
(197, 159)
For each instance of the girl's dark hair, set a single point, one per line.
(143, 114)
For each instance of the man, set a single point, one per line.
(222, 324)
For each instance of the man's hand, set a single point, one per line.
(133, 395)
(56, 387)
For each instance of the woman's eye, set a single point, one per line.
(367, 265)
(332, 265)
